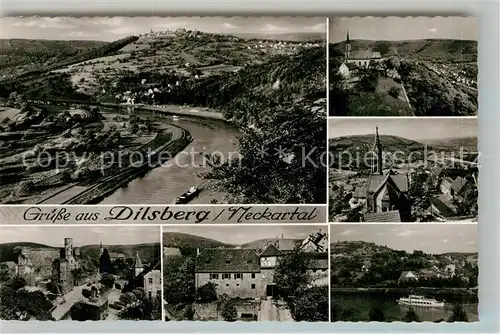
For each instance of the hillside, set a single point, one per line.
(384, 265)
(465, 142)
(7, 250)
(295, 37)
(446, 50)
(262, 243)
(149, 252)
(183, 240)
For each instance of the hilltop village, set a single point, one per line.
(428, 188)
(269, 280)
(71, 283)
(403, 78)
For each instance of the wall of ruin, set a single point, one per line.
(41, 259)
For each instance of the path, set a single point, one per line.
(70, 299)
(270, 311)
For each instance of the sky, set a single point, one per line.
(82, 235)
(113, 28)
(409, 128)
(238, 235)
(429, 238)
(403, 28)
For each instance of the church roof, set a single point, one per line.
(408, 274)
(138, 262)
(377, 181)
(382, 217)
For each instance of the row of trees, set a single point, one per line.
(20, 304)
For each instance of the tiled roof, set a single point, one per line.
(270, 250)
(382, 217)
(360, 192)
(399, 180)
(222, 260)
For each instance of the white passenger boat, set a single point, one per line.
(415, 300)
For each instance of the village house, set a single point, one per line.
(407, 276)
(152, 282)
(249, 273)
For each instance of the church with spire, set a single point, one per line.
(387, 197)
(360, 58)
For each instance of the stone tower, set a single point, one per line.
(68, 253)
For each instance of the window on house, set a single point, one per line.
(237, 285)
(207, 261)
(150, 280)
(253, 275)
(253, 286)
(158, 293)
(227, 284)
(238, 276)
(228, 261)
(214, 276)
(226, 276)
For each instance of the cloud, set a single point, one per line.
(228, 25)
(108, 21)
(43, 23)
(346, 232)
(80, 34)
(124, 30)
(433, 30)
(445, 240)
(320, 27)
(272, 28)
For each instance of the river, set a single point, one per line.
(361, 304)
(164, 184)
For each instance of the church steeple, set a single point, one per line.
(347, 51)
(377, 146)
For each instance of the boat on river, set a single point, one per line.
(175, 118)
(416, 300)
(188, 196)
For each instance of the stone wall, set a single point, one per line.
(245, 287)
(41, 259)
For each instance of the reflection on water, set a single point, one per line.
(356, 307)
(164, 184)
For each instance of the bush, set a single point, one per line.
(229, 312)
(394, 92)
(206, 293)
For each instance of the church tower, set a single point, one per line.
(377, 147)
(138, 266)
(347, 51)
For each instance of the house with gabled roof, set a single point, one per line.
(249, 273)
(408, 276)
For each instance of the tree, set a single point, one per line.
(105, 265)
(311, 304)
(458, 314)
(207, 293)
(394, 92)
(4, 273)
(410, 316)
(108, 280)
(229, 312)
(376, 314)
(291, 274)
